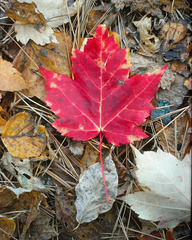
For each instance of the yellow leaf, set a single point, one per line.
(19, 138)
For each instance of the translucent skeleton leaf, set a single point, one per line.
(101, 98)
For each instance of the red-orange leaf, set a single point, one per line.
(102, 97)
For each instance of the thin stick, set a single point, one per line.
(104, 182)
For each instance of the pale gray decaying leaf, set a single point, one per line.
(167, 193)
(91, 197)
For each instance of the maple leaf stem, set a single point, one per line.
(101, 160)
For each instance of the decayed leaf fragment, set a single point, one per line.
(102, 98)
(10, 79)
(20, 139)
(90, 191)
(167, 188)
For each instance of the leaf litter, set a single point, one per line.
(57, 169)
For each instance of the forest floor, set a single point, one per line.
(51, 187)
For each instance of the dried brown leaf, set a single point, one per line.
(25, 12)
(93, 18)
(90, 157)
(29, 201)
(181, 68)
(54, 57)
(174, 42)
(7, 228)
(10, 79)
(172, 33)
(31, 220)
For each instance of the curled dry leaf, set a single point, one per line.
(10, 79)
(172, 33)
(166, 182)
(150, 42)
(20, 139)
(90, 191)
(54, 57)
(7, 228)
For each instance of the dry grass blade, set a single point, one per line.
(51, 174)
(39, 112)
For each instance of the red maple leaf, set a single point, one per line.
(101, 98)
